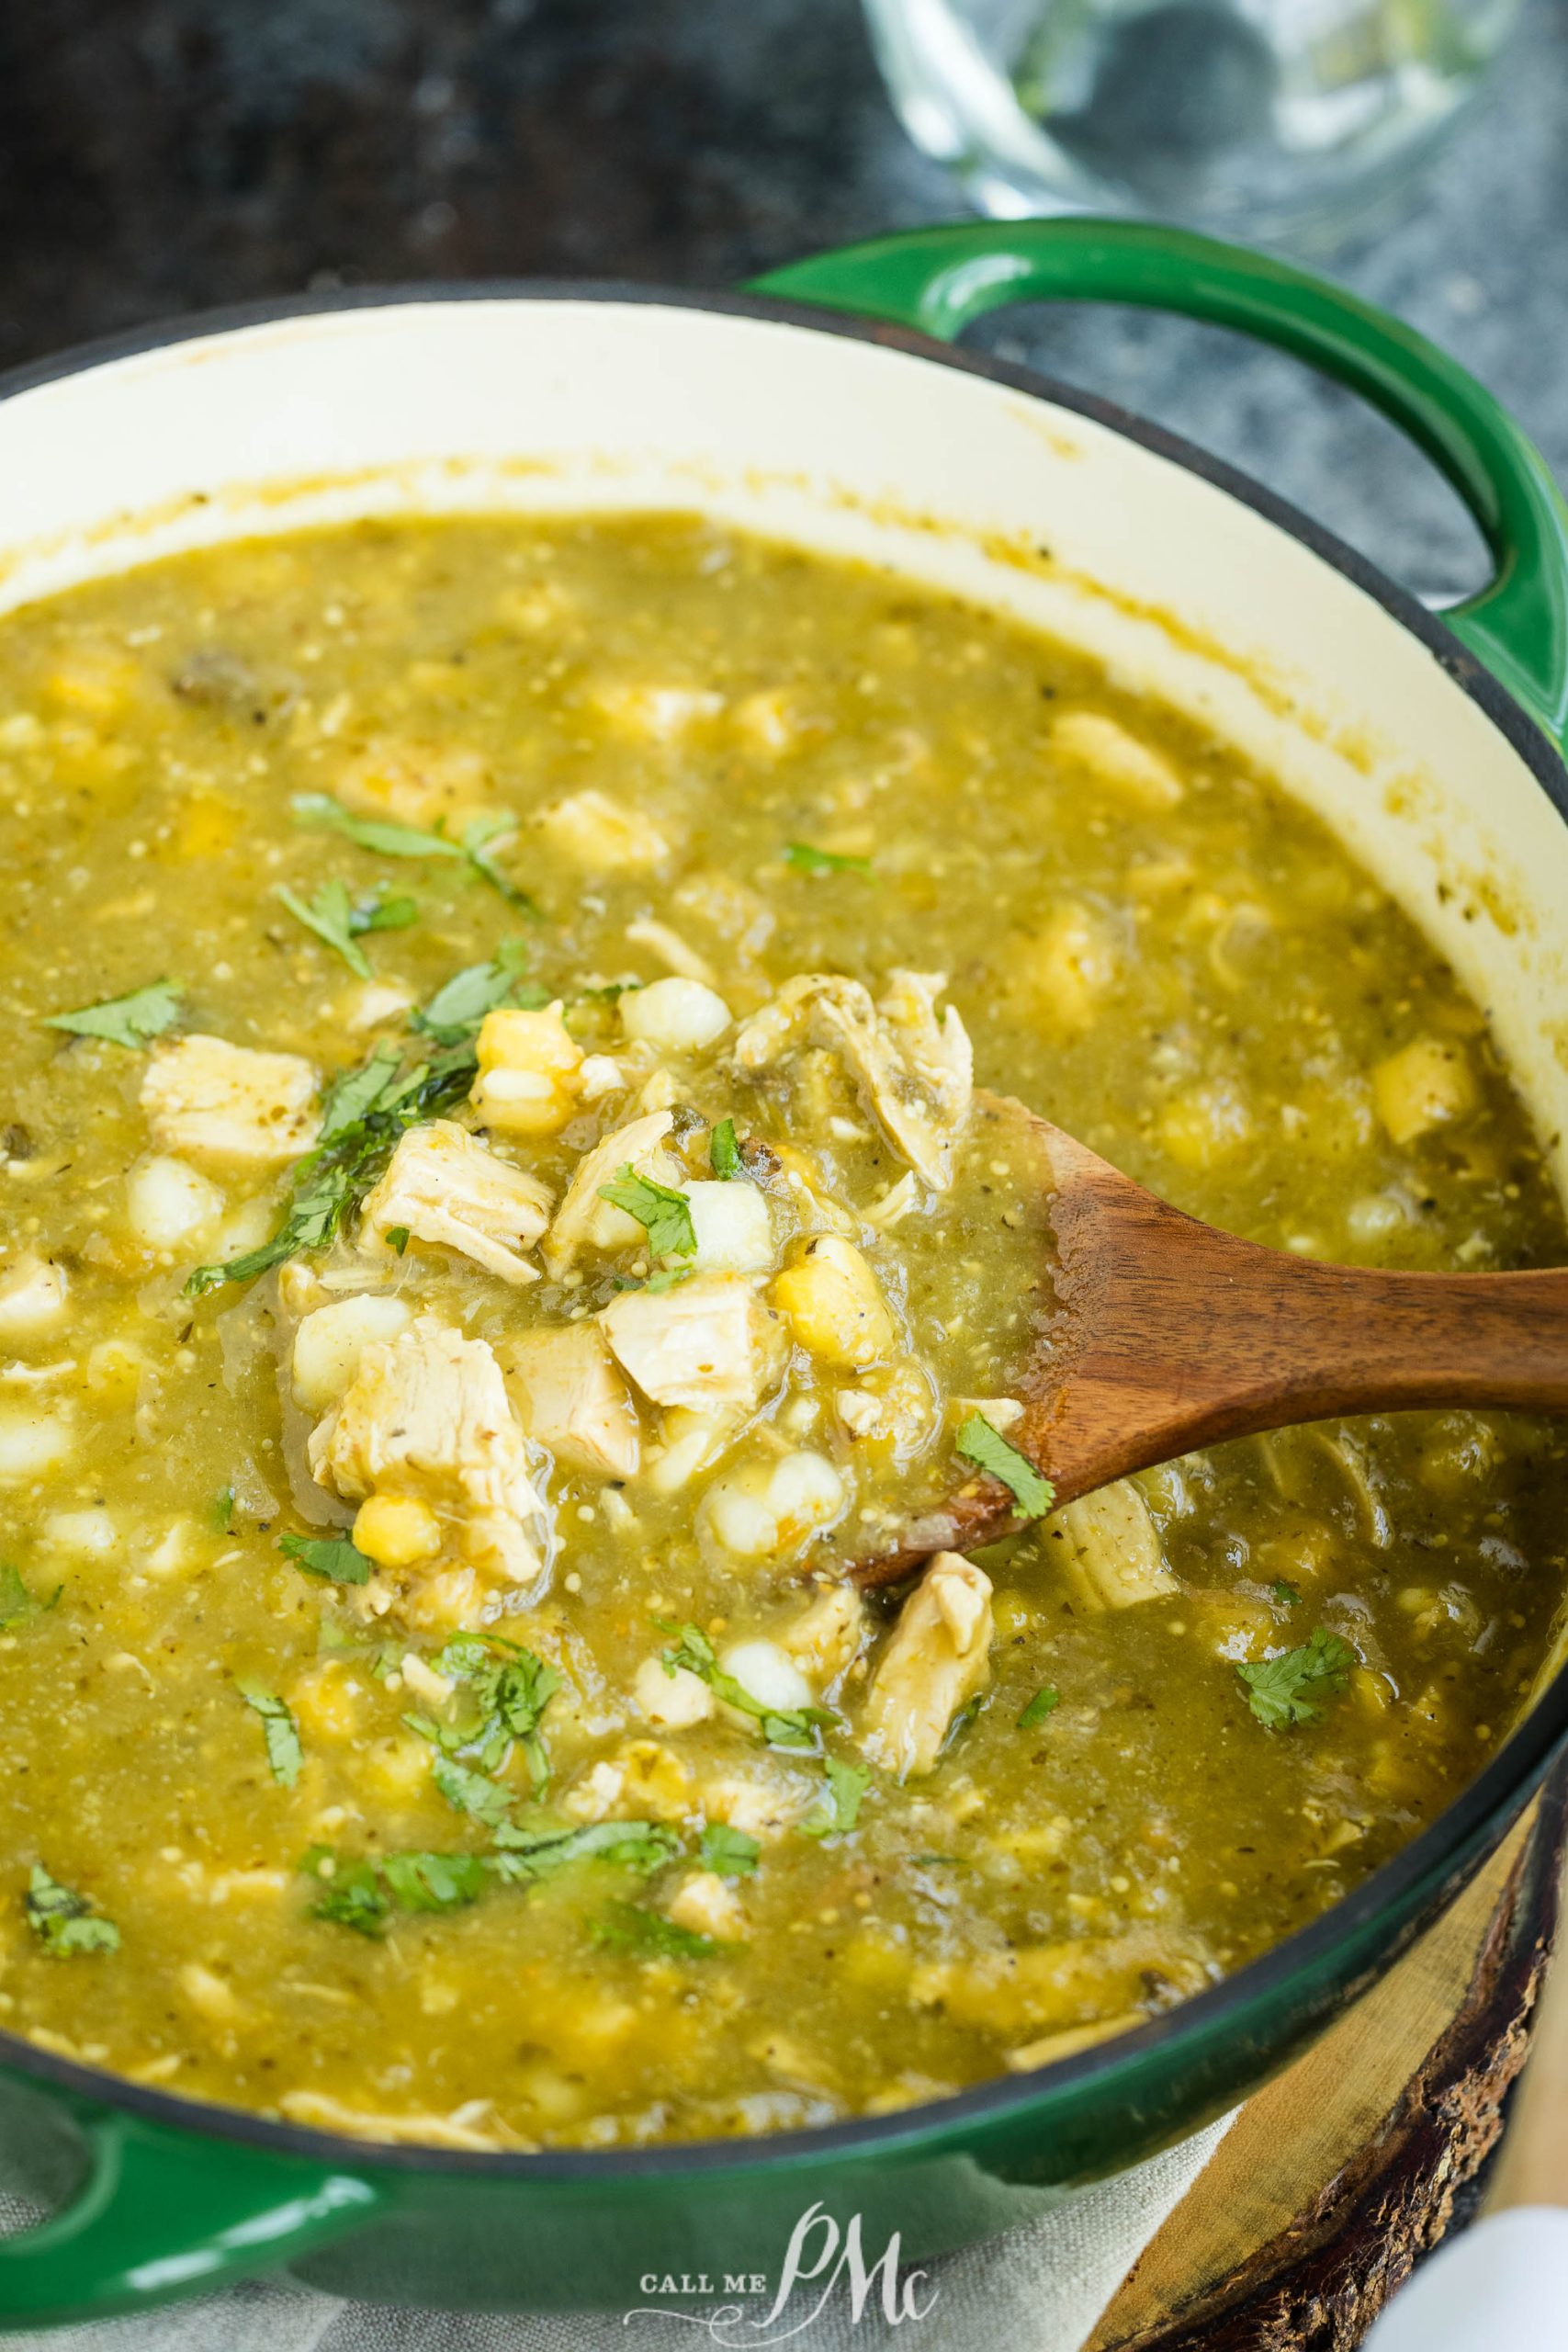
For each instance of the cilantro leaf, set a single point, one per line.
(456, 1011)
(476, 843)
(434, 1882)
(1286, 1595)
(724, 1151)
(665, 1214)
(329, 914)
(352, 1896)
(281, 1734)
(66, 1922)
(668, 1278)
(649, 1935)
(1290, 1689)
(847, 1785)
(468, 1792)
(512, 1689)
(978, 1442)
(384, 914)
(321, 813)
(806, 859)
(17, 1605)
(333, 1556)
(728, 1851)
(794, 1728)
(1039, 1707)
(131, 1021)
(525, 1854)
(223, 1510)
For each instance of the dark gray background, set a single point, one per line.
(165, 155)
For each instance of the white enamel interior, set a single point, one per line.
(845, 446)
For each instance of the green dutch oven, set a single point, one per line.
(1431, 746)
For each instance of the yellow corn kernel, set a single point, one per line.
(833, 1305)
(326, 1702)
(529, 1068)
(208, 827)
(1426, 1084)
(396, 1531)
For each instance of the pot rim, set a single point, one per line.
(1498, 1792)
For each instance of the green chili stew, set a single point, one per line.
(495, 1221)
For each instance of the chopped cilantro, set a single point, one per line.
(456, 1011)
(511, 1689)
(807, 859)
(665, 1214)
(434, 1882)
(17, 1605)
(128, 1020)
(366, 1111)
(649, 1935)
(398, 1237)
(470, 1792)
(1290, 1689)
(320, 812)
(333, 1556)
(847, 1785)
(223, 1510)
(338, 920)
(385, 914)
(668, 1278)
(352, 1895)
(794, 1728)
(724, 1151)
(1286, 1595)
(64, 1922)
(978, 1442)
(284, 1752)
(1039, 1707)
(524, 1855)
(728, 1851)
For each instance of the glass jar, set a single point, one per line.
(1279, 120)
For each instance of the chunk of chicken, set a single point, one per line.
(32, 1297)
(427, 1415)
(827, 1637)
(1090, 743)
(599, 838)
(937, 1658)
(1108, 1549)
(445, 1189)
(709, 1342)
(585, 1222)
(914, 1073)
(703, 1906)
(571, 1398)
(208, 1100)
(427, 784)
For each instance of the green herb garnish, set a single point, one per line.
(456, 1011)
(665, 1215)
(1286, 1595)
(724, 1151)
(978, 1442)
(1039, 1707)
(1290, 1689)
(847, 1785)
(434, 1882)
(336, 920)
(280, 1732)
(807, 859)
(131, 1021)
(794, 1728)
(524, 1855)
(728, 1851)
(668, 1278)
(366, 1113)
(64, 1922)
(320, 812)
(398, 1237)
(470, 1792)
(17, 1605)
(333, 1556)
(649, 1935)
(511, 1688)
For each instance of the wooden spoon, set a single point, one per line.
(1154, 1334)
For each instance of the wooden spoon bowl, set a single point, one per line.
(1157, 1334)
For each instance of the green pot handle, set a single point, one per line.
(162, 2213)
(939, 280)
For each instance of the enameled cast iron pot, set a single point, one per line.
(1431, 748)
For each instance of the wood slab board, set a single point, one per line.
(1342, 2173)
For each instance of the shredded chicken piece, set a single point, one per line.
(709, 1342)
(571, 1398)
(1108, 1548)
(461, 2129)
(426, 1415)
(444, 1187)
(208, 1099)
(914, 1073)
(937, 1658)
(585, 1222)
(1049, 1987)
(826, 1638)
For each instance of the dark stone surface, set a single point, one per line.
(166, 155)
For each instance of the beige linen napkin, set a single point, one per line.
(1038, 2288)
